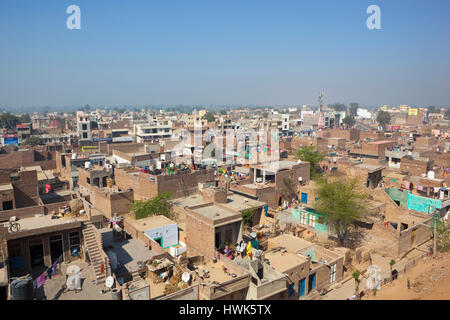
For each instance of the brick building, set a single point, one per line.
(146, 185)
(96, 185)
(373, 149)
(311, 268)
(38, 156)
(40, 242)
(275, 185)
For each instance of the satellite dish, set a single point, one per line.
(186, 277)
(109, 282)
(373, 281)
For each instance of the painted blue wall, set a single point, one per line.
(421, 204)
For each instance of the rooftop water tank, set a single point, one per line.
(87, 164)
(430, 174)
(22, 289)
(74, 155)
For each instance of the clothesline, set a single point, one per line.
(52, 270)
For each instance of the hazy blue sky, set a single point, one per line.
(224, 52)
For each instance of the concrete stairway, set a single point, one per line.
(94, 246)
(393, 211)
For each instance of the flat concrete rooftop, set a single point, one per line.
(276, 165)
(148, 223)
(190, 201)
(290, 242)
(283, 261)
(5, 187)
(239, 203)
(370, 167)
(33, 223)
(214, 212)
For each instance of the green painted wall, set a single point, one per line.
(311, 214)
(398, 195)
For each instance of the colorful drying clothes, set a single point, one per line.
(40, 280)
(55, 267)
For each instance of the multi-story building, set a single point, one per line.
(83, 127)
(157, 129)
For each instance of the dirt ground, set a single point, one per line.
(429, 280)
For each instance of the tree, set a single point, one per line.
(391, 264)
(8, 121)
(223, 112)
(25, 118)
(159, 205)
(353, 108)
(308, 153)
(355, 276)
(443, 240)
(349, 121)
(383, 118)
(209, 116)
(342, 204)
(338, 107)
(61, 123)
(247, 216)
(265, 115)
(33, 141)
(433, 109)
(447, 114)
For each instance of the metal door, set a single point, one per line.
(301, 287)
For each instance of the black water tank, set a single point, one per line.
(22, 289)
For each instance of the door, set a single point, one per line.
(312, 282)
(333, 273)
(304, 198)
(218, 241)
(413, 237)
(229, 236)
(291, 290)
(56, 248)
(301, 287)
(37, 255)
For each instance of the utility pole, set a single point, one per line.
(435, 233)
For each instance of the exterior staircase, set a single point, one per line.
(393, 211)
(93, 244)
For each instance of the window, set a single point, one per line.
(321, 220)
(7, 205)
(303, 218)
(88, 180)
(311, 221)
(84, 126)
(333, 273)
(291, 290)
(74, 240)
(85, 135)
(14, 249)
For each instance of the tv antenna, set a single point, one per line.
(320, 98)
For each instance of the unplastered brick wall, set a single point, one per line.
(415, 167)
(348, 134)
(183, 184)
(126, 147)
(373, 135)
(21, 213)
(200, 236)
(413, 236)
(141, 184)
(26, 189)
(27, 158)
